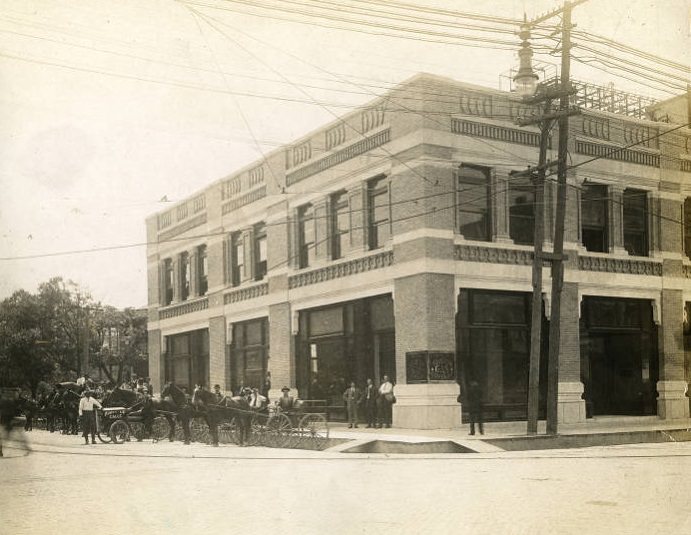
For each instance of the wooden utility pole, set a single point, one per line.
(557, 256)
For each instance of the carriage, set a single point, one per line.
(119, 424)
(306, 426)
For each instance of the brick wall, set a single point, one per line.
(569, 342)
(156, 362)
(424, 308)
(217, 353)
(671, 339)
(282, 350)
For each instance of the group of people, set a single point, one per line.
(376, 401)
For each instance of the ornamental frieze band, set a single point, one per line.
(243, 294)
(620, 265)
(475, 253)
(344, 269)
(184, 308)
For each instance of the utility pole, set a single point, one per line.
(557, 256)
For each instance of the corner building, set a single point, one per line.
(395, 242)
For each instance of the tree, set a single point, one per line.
(26, 357)
(44, 336)
(120, 341)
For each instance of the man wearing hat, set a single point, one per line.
(286, 401)
(257, 401)
(87, 407)
(217, 392)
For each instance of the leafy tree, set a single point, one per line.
(26, 357)
(43, 336)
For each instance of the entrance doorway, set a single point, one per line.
(619, 361)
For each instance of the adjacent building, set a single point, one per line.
(394, 241)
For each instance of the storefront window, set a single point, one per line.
(249, 354)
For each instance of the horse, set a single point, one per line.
(69, 403)
(178, 404)
(207, 403)
(243, 415)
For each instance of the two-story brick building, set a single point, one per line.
(394, 241)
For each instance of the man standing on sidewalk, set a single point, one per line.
(87, 406)
(370, 400)
(385, 401)
(352, 398)
(475, 407)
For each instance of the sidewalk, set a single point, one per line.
(500, 438)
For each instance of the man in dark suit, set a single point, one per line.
(369, 398)
(474, 399)
(352, 397)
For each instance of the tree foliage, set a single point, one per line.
(43, 336)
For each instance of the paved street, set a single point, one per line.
(144, 488)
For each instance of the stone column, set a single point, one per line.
(424, 308)
(570, 405)
(218, 363)
(281, 362)
(672, 401)
(157, 365)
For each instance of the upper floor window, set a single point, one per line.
(635, 222)
(594, 218)
(167, 281)
(340, 224)
(521, 210)
(378, 212)
(260, 251)
(687, 226)
(202, 270)
(237, 253)
(306, 235)
(472, 198)
(184, 276)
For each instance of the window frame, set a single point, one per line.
(340, 206)
(202, 270)
(644, 232)
(185, 276)
(378, 187)
(168, 281)
(604, 198)
(305, 216)
(236, 267)
(522, 184)
(461, 202)
(259, 237)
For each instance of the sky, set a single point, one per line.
(110, 108)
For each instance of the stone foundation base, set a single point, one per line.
(672, 402)
(570, 405)
(427, 406)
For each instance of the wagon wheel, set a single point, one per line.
(228, 431)
(199, 430)
(316, 428)
(119, 431)
(258, 428)
(102, 429)
(138, 430)
(279, 431)
(160, 428)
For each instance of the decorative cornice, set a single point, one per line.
(490, 131)
(184, 227)
(180, 309)
(344, 269)
(243, 294)
(493, 255)
(247, 198)
(627, 266)
(612, 152)
(341, 156)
